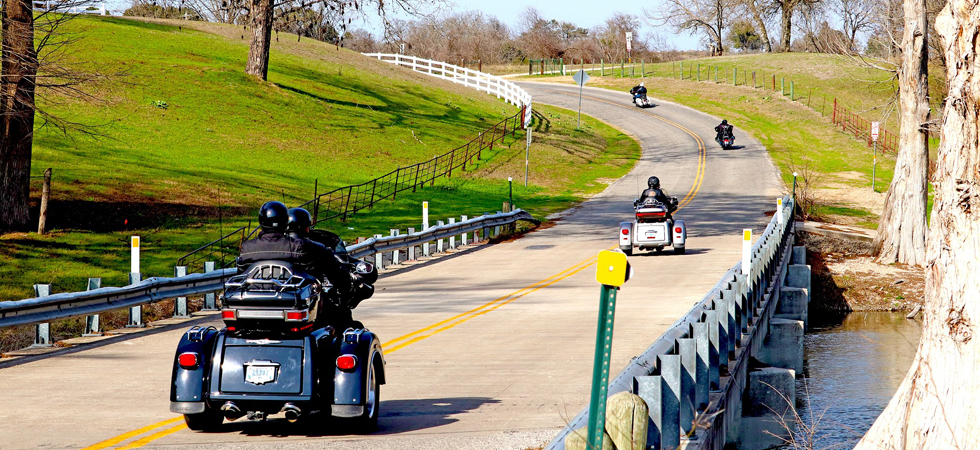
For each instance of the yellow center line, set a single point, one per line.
(124, 436)
(493, 305)
(702, 149)
(153, 437)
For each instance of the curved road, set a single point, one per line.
(485, 349)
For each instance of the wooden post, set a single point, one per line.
(45, 194)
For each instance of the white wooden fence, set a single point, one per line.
(491, 84)
(71, 6)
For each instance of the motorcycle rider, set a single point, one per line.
(273, 243)
(723, 129)
(655, 192)
(639, 91)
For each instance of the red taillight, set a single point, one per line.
(187, 360)
(296, 315)
(346, 362)
(626, 231)
(677, 230)
(228, 314)
(231, 328)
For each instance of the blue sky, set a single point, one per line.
(584, 13)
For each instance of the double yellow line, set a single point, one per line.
(702, 150)
(171, 426)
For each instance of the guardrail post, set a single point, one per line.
(440, 243)
(742, 295)
(687, 349)
(180, 304)
(92, 321)
(721, 311)
(452, 239)
(710, 318)
(734, 336)
(379, 257)
(670, 370)
(135, 312)
(411, 248)
(485, 232)
(463, 236)
(699, 330)
(42, 331)
(394, 254)
(209, 299)
(496, 228)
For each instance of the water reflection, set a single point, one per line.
(852, 370)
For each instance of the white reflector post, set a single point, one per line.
(747, 252)
(779, 210)
(134, 244)
(425, 216)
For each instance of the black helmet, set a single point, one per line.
(724, 121)
(299, 221)
(653, 182)
(272, 216)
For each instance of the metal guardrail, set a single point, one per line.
(733, 303)
(74, 304)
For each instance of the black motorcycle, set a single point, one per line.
(281, 350)
(726, 139)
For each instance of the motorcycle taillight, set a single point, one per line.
(187, 360)
(346, 362)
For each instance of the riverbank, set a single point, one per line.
(846, 278)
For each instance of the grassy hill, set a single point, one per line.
(798, 134)
(188, 147)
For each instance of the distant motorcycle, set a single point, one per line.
(726, 139)
(278, 352)
(640, 100)
(653, 229)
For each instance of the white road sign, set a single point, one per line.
(581, 77)
(874, 131)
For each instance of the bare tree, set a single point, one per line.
(610, 38)
(708, 17)
(760, 11)
(902, 229)
(936, 404)
(855, 16)
(32, 51)
(786, 9)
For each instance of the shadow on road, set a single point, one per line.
(397, 416)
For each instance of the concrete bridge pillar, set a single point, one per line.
(784, 345)
(768, 414)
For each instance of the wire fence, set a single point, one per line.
(345, 201)
(861, 128)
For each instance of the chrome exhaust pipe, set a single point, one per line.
(231, 411)
(292, 412)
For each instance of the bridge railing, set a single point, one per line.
(715, 330)
(73, 304)
(491, 84)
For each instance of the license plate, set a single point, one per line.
(653, 235)
(261, 372)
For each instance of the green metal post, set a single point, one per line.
(716, 74)
(735, 77)
(600, 369)
(602, 68)
(699, 71)
(643, 68)
(792, 90)
(782, 85)
(682, 70)
(622, 69)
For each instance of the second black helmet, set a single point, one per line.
(273, 216)
(653, 182)
(299, 221)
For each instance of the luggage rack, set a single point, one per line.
(271, 277)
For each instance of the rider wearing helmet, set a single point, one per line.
(273, 243)
(653, 191)
(723, 129)
(639, 91)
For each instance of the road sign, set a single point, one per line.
(874, 131)
(581, 77)
(629, 41)
(612, 269)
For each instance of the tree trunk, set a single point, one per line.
(258, 52)
(936, 405)
(19, 71)
(787, 22)
(761, 24)
(902, 230)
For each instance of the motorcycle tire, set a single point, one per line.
(680, 250)
(209, 420)
(628, 251)
(368, 422)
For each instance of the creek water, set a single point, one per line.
(852, 368)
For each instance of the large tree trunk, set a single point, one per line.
(19, 72)
(936, 405)
(787, 25)
(258, 53)
(757, 16)
(902, 230)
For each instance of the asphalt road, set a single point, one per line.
(490, 348)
